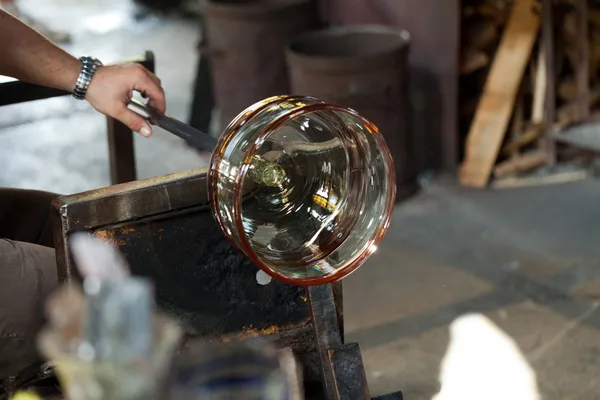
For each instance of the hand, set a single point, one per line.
(111, 90)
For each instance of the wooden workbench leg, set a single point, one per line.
(121, 153)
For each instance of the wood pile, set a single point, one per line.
(482, 24)
(528, 69)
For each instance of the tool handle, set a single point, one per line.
(197, 139)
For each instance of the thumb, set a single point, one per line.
(134, 122)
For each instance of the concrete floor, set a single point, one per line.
(526, 258)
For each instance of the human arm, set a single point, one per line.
(28, 56)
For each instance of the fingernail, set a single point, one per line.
(146, 131)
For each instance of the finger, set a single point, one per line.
(157, 81)
(154, 92)
(135, 122)
(154, 78)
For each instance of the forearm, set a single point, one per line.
(28, 56)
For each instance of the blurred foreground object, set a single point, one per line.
(105, 339)
(251, 370)
(483, 362)
(25, 396)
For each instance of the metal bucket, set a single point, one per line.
(365, 68)
(245, 44)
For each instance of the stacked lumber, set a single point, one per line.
(482, 24)
(578, 60)
(533, 70)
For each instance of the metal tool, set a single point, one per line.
(194, 137)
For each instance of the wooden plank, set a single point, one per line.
(472, 61)
(530, 181)
(527, 137)
(501, 88)
(583, 59)
(547, 143)
(517, 125)
(539, 89)
(524, 163)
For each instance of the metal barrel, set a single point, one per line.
(245, 43)
(364, 68)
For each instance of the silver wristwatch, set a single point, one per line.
(89, 66)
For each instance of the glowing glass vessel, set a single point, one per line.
(303, 188)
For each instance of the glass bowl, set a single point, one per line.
(303, 188)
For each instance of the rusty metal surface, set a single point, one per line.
(434, 26)
(351, 380)
(202, 280)
(167, 232)
(245, 44)
(122, 203)
(364, 68)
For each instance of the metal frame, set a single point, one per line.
(120, 204)
(316, 339)
(120, 138)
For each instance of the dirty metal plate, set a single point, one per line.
(202, 280)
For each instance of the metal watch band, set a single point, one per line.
(89, 66)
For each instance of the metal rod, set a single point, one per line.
(263, 172)
(194, 137)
